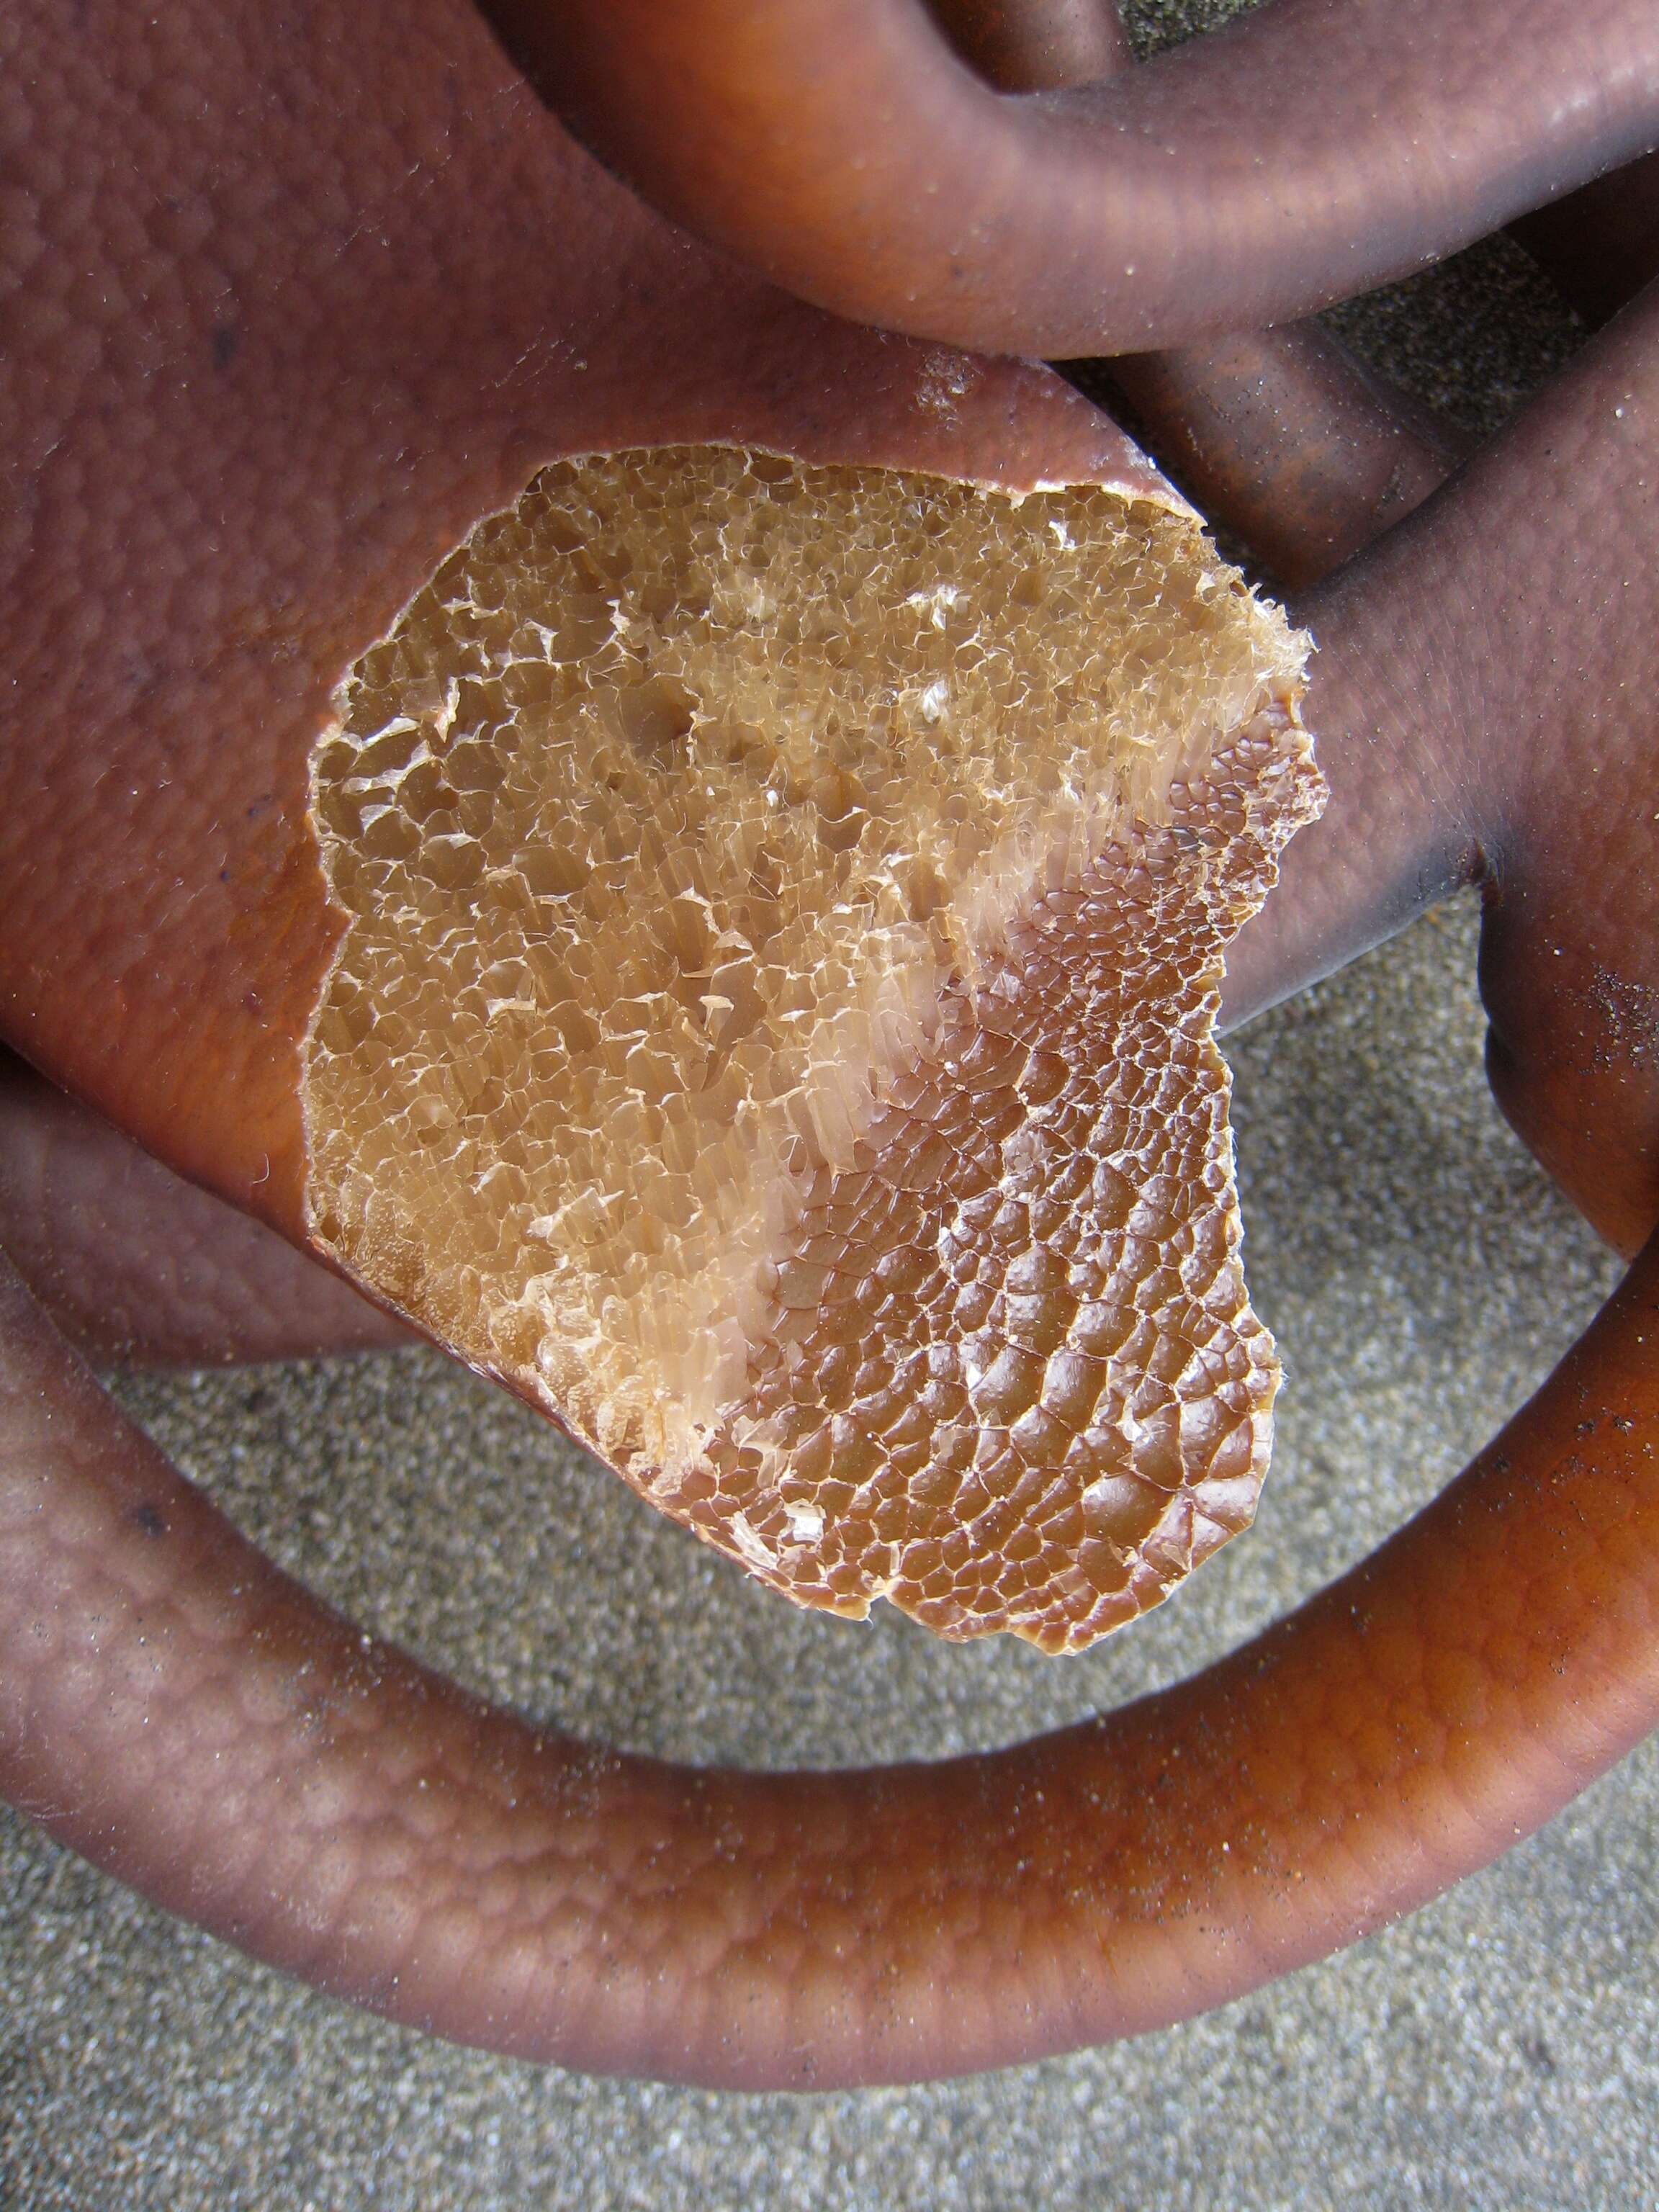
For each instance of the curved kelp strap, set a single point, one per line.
(137, 1267)
(191, 1720)
(1280, 435)
(1476, 727)
(1034, 45)
(847, 150)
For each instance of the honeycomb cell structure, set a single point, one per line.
(772, 1028)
